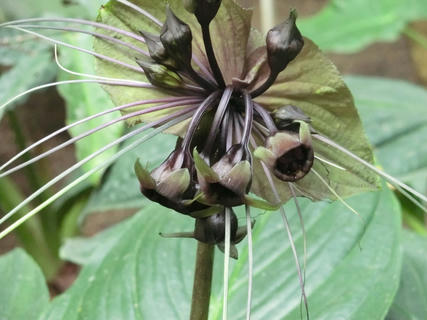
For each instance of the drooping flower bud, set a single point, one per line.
(157, 50)
(288, 154)
(204, 10)
(176, 37)
(171, 184)
(285, 116)
(211, 230)
(228, 180)
(284, 43)
(160, 76)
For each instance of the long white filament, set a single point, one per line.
(81, 121)
(86, 75)
(85, 160)
(386, 176)
(85, 176)
(250, 261)
(142, 11)
(301, 221)
(329, 163)
(83, 135)
(336, 194)
(91, 33)
(93, 53)
(77, 21)
(124, 83)
(290, 236)
(226, 263)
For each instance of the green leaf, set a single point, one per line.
(83, 100)
(348, 26)
(28, 63)
(23, 291)
(353, 266)
(395, 118)
(312, 83)
(24, 9)
(120, 188)
(411, 298)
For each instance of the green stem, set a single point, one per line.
(32, 176)
(49, 219)
(30, 234)
(202, 282)
(416, 36)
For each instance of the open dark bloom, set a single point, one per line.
(258, 120)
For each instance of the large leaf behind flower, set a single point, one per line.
(23, 291)
(411, 299)
(230, 31)
(353, 266)
(312, 83)
(394, 113)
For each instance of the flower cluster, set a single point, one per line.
(211, 166)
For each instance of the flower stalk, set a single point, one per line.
(202, 281)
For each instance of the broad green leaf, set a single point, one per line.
(348, 26)
(83, 100)
(312, 83)
(120, 188)
(23, 291)
(23, 9)
(394, 114)
(230, 32)
(29, 62)
(411, 298)
(353, 266)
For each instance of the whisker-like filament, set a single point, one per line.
(381, 173)
(340, 199)
(77, 21)
(290, 236)
(182, 114)
(92, 33)
(411, 198)
(304, 234)
(86, 75)
(174, 103)
(141, 11)
(85, 176)
(90, 52)
(250, 261)
(105, 27)
(330, 163)
(227, 240)
(124, 83)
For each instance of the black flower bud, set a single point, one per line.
(284, 43)
(228, 181)
(155, 47)
(211, 230)
(160, 76)
(176, 38)
(204, 10)
(157, 50)
(171, 184)
(288, 154)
